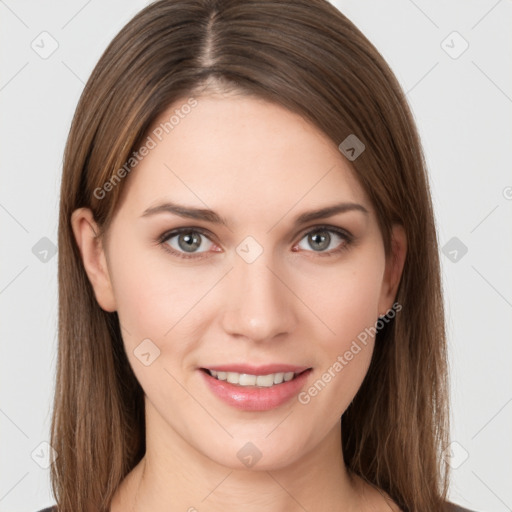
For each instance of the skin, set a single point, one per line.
(258, 166)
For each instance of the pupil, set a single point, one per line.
(321, 241)
(189, 242)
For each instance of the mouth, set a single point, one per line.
(259, 380)
(250, 388)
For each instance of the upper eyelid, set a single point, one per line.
(327, 227)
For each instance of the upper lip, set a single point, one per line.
(265, 369)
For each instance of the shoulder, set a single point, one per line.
(452, 507)
(448, 507)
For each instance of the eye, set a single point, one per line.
(323, 238)
(184, 242)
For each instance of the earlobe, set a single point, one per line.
(93, 255)
(394, 267)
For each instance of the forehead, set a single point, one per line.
(239, 155)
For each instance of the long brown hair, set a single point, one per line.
(308, 57)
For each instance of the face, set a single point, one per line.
(246, 281)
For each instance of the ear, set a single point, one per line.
(394, 267)
(93, 255)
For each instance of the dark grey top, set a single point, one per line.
(450, 507)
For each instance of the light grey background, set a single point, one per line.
(462, 104)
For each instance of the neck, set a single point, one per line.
(175, 476)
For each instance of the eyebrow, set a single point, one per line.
(211, 216)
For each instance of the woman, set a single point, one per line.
(250, 310)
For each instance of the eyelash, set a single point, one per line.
(165, 237)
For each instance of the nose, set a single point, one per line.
(259, 304)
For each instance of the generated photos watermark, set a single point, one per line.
(150, 143)
(305, 397)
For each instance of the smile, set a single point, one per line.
(246, 379)
(252, 388)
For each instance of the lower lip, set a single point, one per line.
(251, 398)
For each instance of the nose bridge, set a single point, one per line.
(258, 305)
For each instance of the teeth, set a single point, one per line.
(245, 379)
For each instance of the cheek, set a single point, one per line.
(347, 298)
(348, 305)
(157, 300)
(146, 292)
(155, 306)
